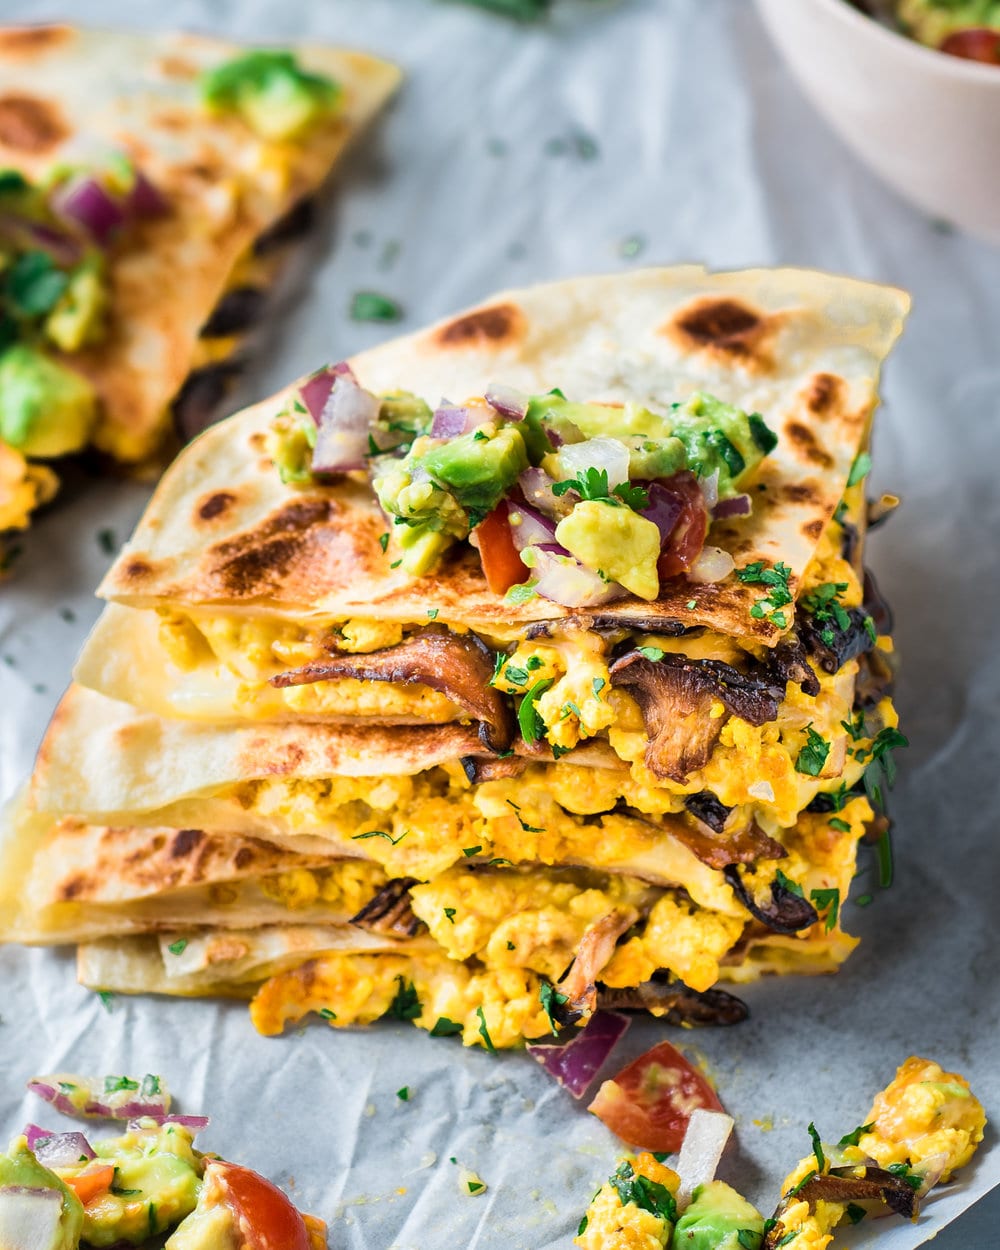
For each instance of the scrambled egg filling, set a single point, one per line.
(23, 488)
(611, 1224)
(926, 1123)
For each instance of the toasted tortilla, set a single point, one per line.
(801, 347)
(69, 94)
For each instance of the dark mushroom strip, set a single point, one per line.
(711, 811)
(235, 313)
(592, 955)
(675, 695)
(860, 1185)
(740, 846)
(784, 912)
(196, 404)
(675, 1003)
(833, 801)
(479, 768)
(299, 220)
(458, 666)
(390, 912)
(789, 662)
(830, 646)
(876, 605)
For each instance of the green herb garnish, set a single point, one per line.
(813, 756)
(484, 1032)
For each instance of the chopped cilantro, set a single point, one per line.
(107, 998)
(445, 1027)
(840, 512)
(882, 767)
(475, 1186)
(122, 1193)
(497, 862)
(112, 1084)
(883, 857)
(787, 1238)
(449, 914)
(370, 306)
(469, 851)
(150, 1085)
(524, 825)
(855, 1213)
(779, 594)
(327, 1013)
(801, 1185)
(107, 541)
(519, 676)
(432, 614)
(860, 468)
(511, 946)
(841, 826)
(902, 1170)
(581, 1228)
(405, 1004)
(569, 708)
(534, 662)
(817, 1147)
(787, 883)
(403, 1094)
(854, 1136)
(484, 1032)
(593, 484)
(761, 433)
(551, 999)
(379, 833)
(641, 1192)
(863, 900)
(631, 246)
(528, 717)
(153, 1225)
(34, 284)
(827, 899)
(813, 756)
(691, 604)
(748, 1238)
(653, 654)
(396, 563)
(598, 683)
(178, 947)
(823, 603)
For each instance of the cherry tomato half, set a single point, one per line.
(648, 1104)
(687, 538)
(264, 1216)
(500, 559)
(974, 45)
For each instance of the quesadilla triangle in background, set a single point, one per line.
(309, 709)
(154, 184)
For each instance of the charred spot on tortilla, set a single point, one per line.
(244, 857)
(215, 505)
(137, 569)
(824, 393)
(807, 492)
(812, 529)
(72, 888)
(185, 841)
(254, 562)
(25, 41)
(29, 124)
(726, 327)
(503, 323)
(806, 442)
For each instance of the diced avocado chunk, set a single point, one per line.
(402, 418)
(78, 319)
(157, 1183)
(271, 92)
(290, 443)
(20, 1170)
(718, 436)
(616, 542)
(45, 408)
(208, 1228)
(716, 1218)
(478, 468)
(427, 519)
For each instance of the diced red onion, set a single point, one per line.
(196, 1123)
(739, 505)
(704, 1141)
(99, 1105)
(575, 1064)
(664, 508)
(561, 579)
(712, 565)
(528, 526)
(145, 200)
(342, 439)
(87, 204)
(536, 487)
(30, 1217)
(450, 421)
(710, 490)
(508, 401)
(596, 453)
(57, 1150)
(315, 391)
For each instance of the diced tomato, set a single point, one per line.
(648, 1104)
(974, 45)
(688, 536)
(501, 562)
(90, 1184)
(264, 1216)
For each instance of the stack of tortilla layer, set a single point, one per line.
(373, 835)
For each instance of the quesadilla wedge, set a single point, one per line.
(149, 185)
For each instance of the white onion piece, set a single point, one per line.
(507, 400)
(704, 1141)
(564, 580)
(528, 527)
(30, 1218)
(596, 453)
(536, 487)
(710, 490)
(713, 565)
(342, 438)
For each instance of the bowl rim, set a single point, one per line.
(958, 67)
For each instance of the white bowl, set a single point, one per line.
(925, 121)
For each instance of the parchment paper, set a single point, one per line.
(616, 135)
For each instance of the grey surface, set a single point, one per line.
(515, 155)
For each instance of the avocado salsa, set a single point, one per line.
(966, 28)
(580, 503)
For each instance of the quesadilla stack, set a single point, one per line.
(149, 188)
(517, 667)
